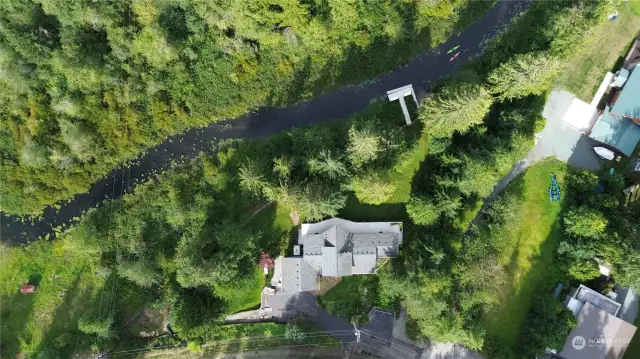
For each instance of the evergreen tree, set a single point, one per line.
(524, 75)
(455, 108)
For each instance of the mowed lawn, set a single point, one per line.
(609, 45)
(531, 246)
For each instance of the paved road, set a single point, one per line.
(422, 71)
(375, 336)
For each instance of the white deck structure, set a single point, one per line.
(399, 94)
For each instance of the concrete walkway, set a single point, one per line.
(424, 70)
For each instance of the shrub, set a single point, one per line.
(372, 188)
(584, 222)
(99, 326)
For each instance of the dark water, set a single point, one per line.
(421, 72)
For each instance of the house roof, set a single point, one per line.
(329, 262)
(338, 248)
(628, 104)
(628, 299)
(619, 132)
(364, 263)
(336, 237)
(298, 276)
(588, 295)
(313, 244)
(605, 336)
(349, 226)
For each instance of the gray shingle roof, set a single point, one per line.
(364, 263)
(345, 262)
(336, 237)
(312, 244)
(298, 276)
(315, 261)
(330, 261)
(387, 251)
(373, 239)
(336, 252)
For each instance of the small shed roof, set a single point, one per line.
(619, 132)
(27, 288)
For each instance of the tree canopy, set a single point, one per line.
(455, 108)
(89, 85)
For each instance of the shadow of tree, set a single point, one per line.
(16, 311)
(63, 336)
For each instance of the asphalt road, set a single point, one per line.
(421, 72)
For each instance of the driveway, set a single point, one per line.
(424, 70)
(557, 139)
(563, 141)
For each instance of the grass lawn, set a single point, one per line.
(352, 298)
(402, 174)
(530, 250)
(68, 286)
(635, 6)
(610, 43)
(246, 295)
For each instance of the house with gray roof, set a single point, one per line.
(336, 248)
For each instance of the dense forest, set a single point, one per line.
(190, 239)
(87, 85)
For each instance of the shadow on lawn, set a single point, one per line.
(16, 310)
(63, 337)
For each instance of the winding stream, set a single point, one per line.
(421, 72)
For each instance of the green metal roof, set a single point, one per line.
(617, 131)
(628, 103)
